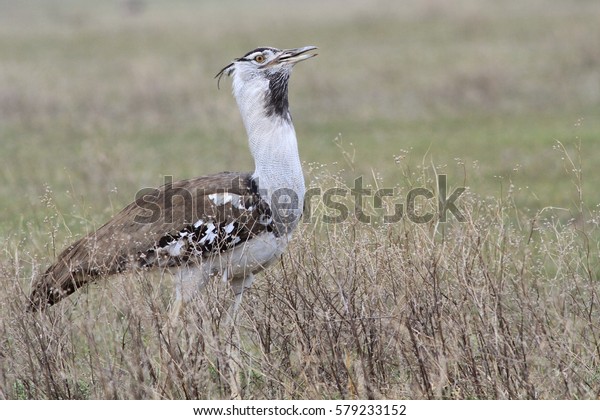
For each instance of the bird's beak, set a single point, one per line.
(295, 55)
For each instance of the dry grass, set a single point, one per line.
(501, 306)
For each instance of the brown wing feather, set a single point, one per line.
(167, 226)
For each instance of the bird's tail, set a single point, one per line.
(62, 278)
(55, 284)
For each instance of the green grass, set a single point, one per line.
(99, 100)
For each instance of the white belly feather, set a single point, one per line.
(238, 263)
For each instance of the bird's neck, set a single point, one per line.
(275, 153)
(273, 145)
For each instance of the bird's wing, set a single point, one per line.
(165, 227)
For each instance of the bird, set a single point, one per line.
(230, 224)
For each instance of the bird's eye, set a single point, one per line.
(259, 58)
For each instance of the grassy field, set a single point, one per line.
(98, 100)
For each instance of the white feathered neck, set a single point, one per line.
(273, 143)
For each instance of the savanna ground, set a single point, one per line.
(101, 99)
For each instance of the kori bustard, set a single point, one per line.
(229, 225)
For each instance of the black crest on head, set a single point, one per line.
(259, 49)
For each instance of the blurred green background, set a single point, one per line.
(100, 99)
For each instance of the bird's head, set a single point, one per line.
(263, 74)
